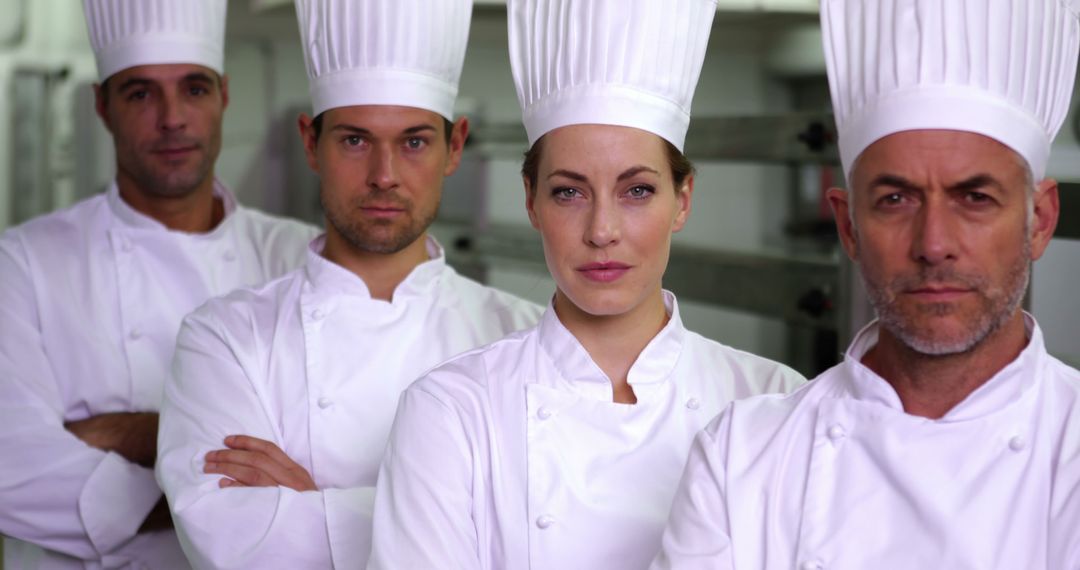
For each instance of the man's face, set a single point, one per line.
(166, 125)
(944, 229)
(381, 171)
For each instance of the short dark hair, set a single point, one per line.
(316, 123)
(681, 167)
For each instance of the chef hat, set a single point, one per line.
(384, 52)
(1000, 68)
(631, 63)
(129, 33)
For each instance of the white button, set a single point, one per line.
(325, 402)
(126, 246)
(1017, 443)
(317, 314)
(543, 413)
(836, 432)
(545, 522)
(135, 334)
(693, 403)
(811, 565)
(229, 256)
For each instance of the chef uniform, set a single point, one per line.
(91, 299)
(837, 475)
(311, 362)
(515, 455)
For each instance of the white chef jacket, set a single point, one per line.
(515, 456)
(837, 476)
(91, 298)
(314, 364)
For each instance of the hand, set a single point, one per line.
(132, 435)
(253, 462)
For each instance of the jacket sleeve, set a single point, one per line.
(208, 397)
(55, 491)
(423, 504)
(698, 533)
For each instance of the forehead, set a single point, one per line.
(601, 148)
(382, 118)
(938, 157)
(162, 73)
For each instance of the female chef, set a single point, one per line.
(562, 446)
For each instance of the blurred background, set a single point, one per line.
(757, 268)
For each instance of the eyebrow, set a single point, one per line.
(342, 127)
(144, 81)
(901, 183)
(628, 173)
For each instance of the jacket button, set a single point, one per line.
(545, 522)
(693, 403)
(543, 413)
(325, 402)
(1017, 443)
(836, 432)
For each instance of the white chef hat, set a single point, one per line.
(129, 33)
(1000, 68)
(632, 63)
(384, 52)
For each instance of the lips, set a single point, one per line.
(604, 272)
(382, 211)
(174, 152)
(938, 293)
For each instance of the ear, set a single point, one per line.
(99, 105)
(685, 198)
(457, 145)
(307, 135)
(530, 203)
(224, 91)
(840, 201)
(1047, 208)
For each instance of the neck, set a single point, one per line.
(381, 272)
(614, 342)
(930, 386)
(198, 211)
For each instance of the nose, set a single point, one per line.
(382, 169)
(934, 240)
(605, 224)
(171, 113)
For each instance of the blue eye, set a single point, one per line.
(640, 192)
(565, 193)
(415, 143)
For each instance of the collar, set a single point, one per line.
(329, 278)
(654, 364)
(137, 220)
(999, 391)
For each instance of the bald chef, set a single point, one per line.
(91, 297)
(282, 397)
(948, 437)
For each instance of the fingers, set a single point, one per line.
(248, 443)
(255, 462)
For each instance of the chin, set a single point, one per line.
(601, 303)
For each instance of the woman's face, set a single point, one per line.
(605, 204)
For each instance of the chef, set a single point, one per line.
(91, 297)
(561, 446)
(948, 437)
(282, 396)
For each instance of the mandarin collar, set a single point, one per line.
(654, 365)
(137, 220)
(329, 278)
(1001, 390)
